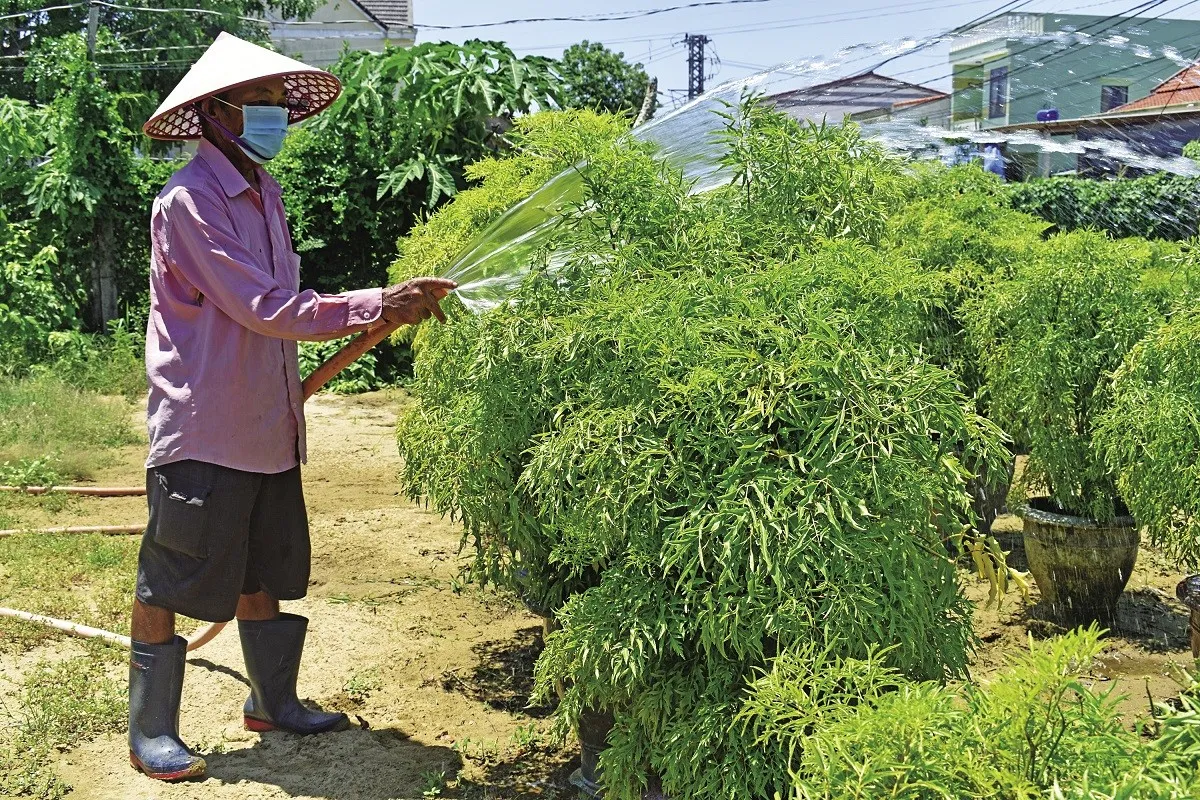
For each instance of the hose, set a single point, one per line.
(90, 491)
(107, 529)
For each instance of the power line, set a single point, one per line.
(612, 17)
(609, 17)
(1143, 6)
(35, 11)
(1107, 72)
(795, 22)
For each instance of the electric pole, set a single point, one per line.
(695, 44)
(93, 24)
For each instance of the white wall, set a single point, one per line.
(320, 45)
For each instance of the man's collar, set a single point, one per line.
(227, 174)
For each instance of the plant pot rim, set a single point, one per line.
(1030, 510)
(1188, 592)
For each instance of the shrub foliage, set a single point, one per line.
(708, 441)
(1049, 338)
(1150, 435)
(1157, 206)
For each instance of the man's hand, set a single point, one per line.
(413, 301)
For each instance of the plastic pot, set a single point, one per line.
(1080, 565)
(593, 736)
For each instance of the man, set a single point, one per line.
(228, 531)
(993, 160)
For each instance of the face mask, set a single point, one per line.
(263, 131)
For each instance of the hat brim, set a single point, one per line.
(309, 92)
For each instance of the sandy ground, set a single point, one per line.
(441, 673)
(1144, 655)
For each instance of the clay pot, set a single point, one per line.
(1080, 565)
(593, 735)
(1188, 591)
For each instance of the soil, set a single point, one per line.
(1144, 655)
(438, 674)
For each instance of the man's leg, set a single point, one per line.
(156, 663)
(191, 562)
(257, 607)
(151, 624)
(272, 643)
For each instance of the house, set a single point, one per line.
(1008, 68)
(866, 97)
(345, 24)
(1155, 126)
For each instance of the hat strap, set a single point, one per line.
(232, 136)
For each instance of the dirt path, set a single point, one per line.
(439, 673)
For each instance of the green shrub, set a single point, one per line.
(112, 364)
(1150, 435)
(1049, 339)
(35, 298)
(709, 440)
(543, 145)
(957, 228)
(852, 728)
(1158, 206)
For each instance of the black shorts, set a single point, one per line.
(216, 533)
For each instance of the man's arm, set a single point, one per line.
(203, 246)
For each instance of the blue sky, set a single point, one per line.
(747, 36)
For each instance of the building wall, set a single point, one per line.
(321, 45)
(1067, 74)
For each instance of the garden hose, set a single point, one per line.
(110, 529)
(91, 491)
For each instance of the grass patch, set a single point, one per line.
(47, 425)
(59, 705)
(85, 578)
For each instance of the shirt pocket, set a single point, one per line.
(179, 520)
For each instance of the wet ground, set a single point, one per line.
(440, 673)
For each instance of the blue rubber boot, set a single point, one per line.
(272, 650)
(155, 689)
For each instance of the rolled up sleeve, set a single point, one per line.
(205, 250)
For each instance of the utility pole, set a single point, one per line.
(695, 44)
(103, 276)
(93, 24)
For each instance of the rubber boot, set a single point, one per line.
(272, 650)
(155, 689)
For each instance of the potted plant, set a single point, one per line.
(1050, 337)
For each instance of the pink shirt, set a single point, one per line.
(225, 313)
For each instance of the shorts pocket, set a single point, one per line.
(180, 519)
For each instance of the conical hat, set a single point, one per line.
(230, 62)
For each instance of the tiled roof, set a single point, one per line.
(1181, 89)
(391, 13)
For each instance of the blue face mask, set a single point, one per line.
(263, 131)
